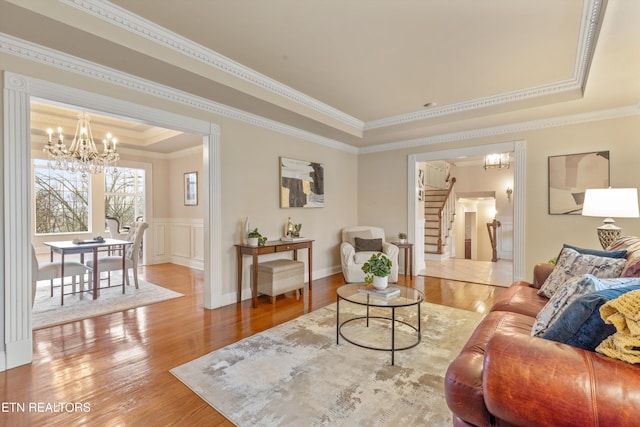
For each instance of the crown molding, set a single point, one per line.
(115, 15)
(36, 53)
(613, 113)
(128, 21)
(589, 26)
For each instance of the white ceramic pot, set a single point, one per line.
(402, 240)
(380, 282)
(252, 241)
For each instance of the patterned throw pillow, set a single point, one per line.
(571, 263)
(564, 295)
(632, 245)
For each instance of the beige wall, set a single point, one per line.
(179, 164)
(382, 182)
(249, 177)
(250, 172)
(370, 188)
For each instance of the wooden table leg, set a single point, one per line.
(310, 252)
(239, 272)
(405, 262)
(411, 260)
(254, 281)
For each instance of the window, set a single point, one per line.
(61, 200)
(124, 194)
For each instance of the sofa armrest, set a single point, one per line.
(531, 381)
(347, 253)
(540, 273)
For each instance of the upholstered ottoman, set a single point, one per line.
(280, 276)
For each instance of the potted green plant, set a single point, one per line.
(254, 238)
(377, 270)
(402, 237)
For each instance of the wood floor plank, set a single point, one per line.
(117, 365)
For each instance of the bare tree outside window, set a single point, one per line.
(124, 195)
(61, 200)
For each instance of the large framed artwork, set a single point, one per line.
(570, 175)
(301, 184)
(191, 189)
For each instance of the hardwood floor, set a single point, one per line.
(115, 368)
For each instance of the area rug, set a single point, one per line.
(294, 374)
(47, 310)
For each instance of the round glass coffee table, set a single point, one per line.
(376, 305)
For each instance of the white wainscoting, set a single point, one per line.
(179, 241)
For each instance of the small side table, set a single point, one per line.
(408, 248)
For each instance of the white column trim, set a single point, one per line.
(16, 259)
(212, 219)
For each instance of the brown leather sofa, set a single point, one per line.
(505, 377)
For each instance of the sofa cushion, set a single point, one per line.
(363, 256)
(558, 303)
(571, 263)
(622, 253)
(363, 234)
(374, 245)
(632, 245)
(519, 298)
(581, 324)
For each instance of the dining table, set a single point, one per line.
(93, 246)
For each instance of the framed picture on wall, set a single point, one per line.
(191, 188)
(301, 184)
(571, 175)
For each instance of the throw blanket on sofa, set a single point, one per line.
(624, 314)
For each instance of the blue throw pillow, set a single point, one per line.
(598, 252)
(580, 325)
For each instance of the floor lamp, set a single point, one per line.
(610, 203)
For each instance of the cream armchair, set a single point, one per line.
(353, 256)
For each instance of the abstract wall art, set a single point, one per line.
(570, 175)
(301, 184)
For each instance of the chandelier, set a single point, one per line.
(82, 155)
(496, 161)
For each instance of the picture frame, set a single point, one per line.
(570, 175)
(301, 183)
(191, 189)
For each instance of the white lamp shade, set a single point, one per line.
(611, 203)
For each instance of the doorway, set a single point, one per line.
(18, 91)
(516, 197)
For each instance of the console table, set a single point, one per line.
(269, 248)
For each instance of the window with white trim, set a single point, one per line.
(124, 194)
(61, 200)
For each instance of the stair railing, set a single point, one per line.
(446, 214)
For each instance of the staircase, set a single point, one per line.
(439, 214)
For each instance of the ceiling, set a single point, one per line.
(361, 71)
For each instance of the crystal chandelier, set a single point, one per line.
(82, 156)
(496, 161)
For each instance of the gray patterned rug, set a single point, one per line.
(47, 310)
(295, 375)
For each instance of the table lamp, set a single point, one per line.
(610, 203)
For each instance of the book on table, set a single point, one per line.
(383, 293)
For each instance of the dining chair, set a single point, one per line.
(113, 224)
(131, 255)
(53, 270)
